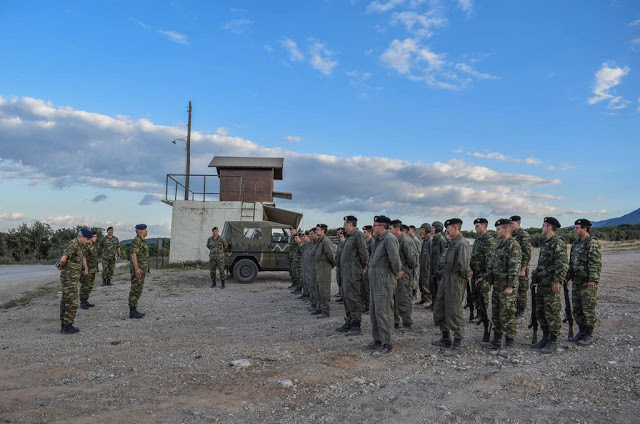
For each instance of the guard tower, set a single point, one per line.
(246, 193)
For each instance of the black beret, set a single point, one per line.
(426, 226)
(503, 221)
(306, 233)
(583, 222)
(350, 218)
(312, 230)
(382, 219)
(141, 227)
(551, 220)
(452, 221)
(405, 227)
(437, 225)
(480, 221)
(515, 218)
(86, 232)
(214, 228)
(367, 227)
(396, 222)
(323, 226)
(110, 228)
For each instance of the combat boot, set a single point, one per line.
(405, 328)
(104, 282)
(69, 329)
(83, 305)
(213, 282)
(587, 339)
(508, 342)
(375, 345)
(89, 304)
(578, 336)
(496, 343)
(456, 347)
(345, 327)
(355, 329)
(316, 312)
(322, 315)
(293, 285)
(133, 313)
(543, 341)
(445, 341)
(222, 284)
(551, 345)
(303, 296)
(386, 349)
(520, 316)
(108, 281)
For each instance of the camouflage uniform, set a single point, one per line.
(366, 298)
(141, 249)
(325, 261)
(503, 273)
(585, 264)
(384, 264)
(311, 275)
(304, 259)
(447, 311)
(438, 245)
(481, 260)
(338, 267)
(403, 294)
(108, 248)
(415, 283)
(524, 240)
(552, 268)
(69, 279)
(216, 247)
(425, 270)
(295, 264)
(86, 281)
(353, 260)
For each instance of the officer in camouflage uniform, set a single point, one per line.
(139, 268)
(481, 260)
(503, 275)
(549, 276)
(311, 275)
(367, 231)
(72, 264)
(341, 240)
(86, 281)
(109, 249)
(425, 267)
(409, 260)
(585, 265)
(524, 240)
(447, 310)
(217, 246)
(353, 260)
(415, 283)
(304, 257)
(438, 244)
(325, 258)
(293, 246)
(384, 271)
(295, 263)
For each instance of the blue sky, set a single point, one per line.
(422, 110)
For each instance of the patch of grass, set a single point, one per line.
(26, 298)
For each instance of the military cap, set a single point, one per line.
(437, 226)
(141, 227)
(323, 226)
(306, 233)
(515, 218)
(367, 227)
(412, 226)
(382, 219)
(405, 227)
(426, 226)
(110, 228)
(452, 221)
(480, 221)
(86, 232)
(503, 221)
(395, 222)
(583, 222)
(552, 221)
(350, 218)
(312, 230)
(214, 228)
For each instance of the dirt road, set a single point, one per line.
(173, 365)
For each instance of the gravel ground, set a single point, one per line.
(173, 366)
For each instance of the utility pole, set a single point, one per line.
(186, 185)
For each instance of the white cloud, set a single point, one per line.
(119, 150)
(382, 6)
(463, 67)
(174, 36)
(237, 26)
(526, 161)
(607, 78)
(321, 58)
(292, 47)
(635, 23)
(466, 6)
(420, 25)
(141, 24)
(292, 138)
(13, 216)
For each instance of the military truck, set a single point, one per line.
(255, 246)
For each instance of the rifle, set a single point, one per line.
(469, 300)
(534, 319)
(568, 316)
(482, 313)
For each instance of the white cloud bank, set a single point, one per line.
(61, 146)
(607, 79)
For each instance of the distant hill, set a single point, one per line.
(630, 218)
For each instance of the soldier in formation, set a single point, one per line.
(139, 268)
(524, 240)
(425, 267)
(367, 231)
(438, 244)
(481, 261)
(293, 247)
(404, 287)
(548, 277)
(72, 264)
(585, 265)
(86, 280)
(109, 249)
(502, 274)
(295, 263)
(325, 259)
(217, 246)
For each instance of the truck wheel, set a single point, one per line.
(245, 271)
